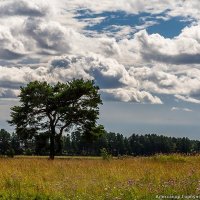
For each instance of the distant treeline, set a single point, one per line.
(116, 144)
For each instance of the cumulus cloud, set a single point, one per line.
(8, 93)
(24, 8)
(44, 41)
(50, 36)
(183, 83)
(130, 95)
(11, 47)
(112, 77)
(107, 72)
(184, 49)
(115, 78)
(170, 7)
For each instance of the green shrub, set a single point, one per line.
(10, 153)
(28, 152)
(105, 155)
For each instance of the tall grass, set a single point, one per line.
(89, 179)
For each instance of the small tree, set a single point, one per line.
(10, 152)
(4, 141)
(105, 155)
(53, 109)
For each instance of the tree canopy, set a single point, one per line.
(115, 144)
(53, 109)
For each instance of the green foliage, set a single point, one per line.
(4, 141)
(90, 144)
(175, 158)
(105, 155)
(138, 178)
(28, 152)
(10, 152)
(53, 109)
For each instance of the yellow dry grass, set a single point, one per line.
(85, 179)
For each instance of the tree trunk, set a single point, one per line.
(52, 145)
(58, 144)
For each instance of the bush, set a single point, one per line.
(10, 153)
(105, 155)
(28, 152)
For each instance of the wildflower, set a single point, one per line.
(130, 182)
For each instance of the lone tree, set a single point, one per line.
(53, 109)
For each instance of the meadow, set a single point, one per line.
(156, 177)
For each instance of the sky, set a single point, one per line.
(144, 55)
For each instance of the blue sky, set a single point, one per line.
(144, 55)
(168, 28)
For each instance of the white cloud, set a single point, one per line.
(11, 47)
(187, 98)
(133, 70)
(181, 109)
(106, 71)
(8, 93)
(184, 49)
(131, 95)
(25, 8)
(171, 8)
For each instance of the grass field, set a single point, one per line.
(96, 179)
